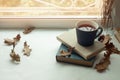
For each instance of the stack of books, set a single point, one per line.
(80, 55)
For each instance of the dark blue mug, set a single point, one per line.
(87, 32)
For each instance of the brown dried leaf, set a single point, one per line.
(115, 51)
(104, 38)
(103, 64)
(8, 41)
(110, 49)
(14, 56)
(17, 38)
(101, 38)
(12, 41)
(66, 53)
(28, 29)
(26, 49)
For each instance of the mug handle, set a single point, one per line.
(100, 30)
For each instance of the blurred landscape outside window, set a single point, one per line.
(50, 8)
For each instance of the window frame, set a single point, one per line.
(42, 22)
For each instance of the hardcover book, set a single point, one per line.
(69, 39)
(74, 58)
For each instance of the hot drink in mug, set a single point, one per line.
(87, 32)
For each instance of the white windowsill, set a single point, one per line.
(48, 22)
(41, 64)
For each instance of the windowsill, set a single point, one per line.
(43, 22)
(41, 64)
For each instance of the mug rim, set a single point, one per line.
(90, 22)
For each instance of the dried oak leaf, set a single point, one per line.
(104, 63)
(104, 38)
(110, 49)
(17, 38)
(14, 56)
(28, 29)
(8, 41)
(102, 66)
(26, 49)
(66, 53)
(101, 38)
(12, 41)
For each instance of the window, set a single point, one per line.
(64, 13)
(49, 8)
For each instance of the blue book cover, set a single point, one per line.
(74, 58)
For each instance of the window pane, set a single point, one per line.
(49, 8)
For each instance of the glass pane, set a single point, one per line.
(49, 8)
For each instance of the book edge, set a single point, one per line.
(63, 42)
(95, 53)
(74, 61)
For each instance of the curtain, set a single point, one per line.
(107, 20)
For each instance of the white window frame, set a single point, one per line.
(42, 23)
